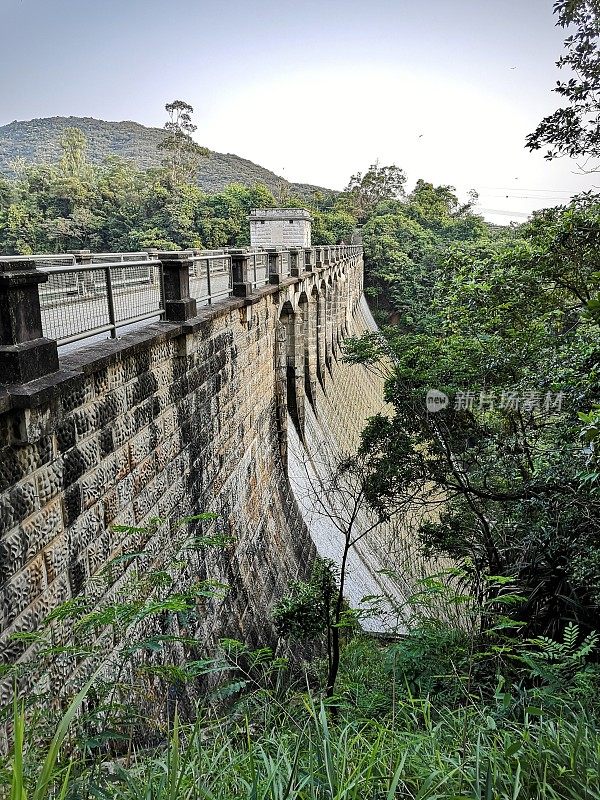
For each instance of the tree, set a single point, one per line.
(332, 227)
(574, 130)
(364, 192)
(405, 247)
(502, 470)
(182, 152)
(334, 491)
(73, 162)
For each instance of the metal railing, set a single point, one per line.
(91, 294)
(210, 276)
(84, 300)
(258, 269)
(110, 258)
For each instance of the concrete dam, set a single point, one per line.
(221, 389)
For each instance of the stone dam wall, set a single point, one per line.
(176, 419)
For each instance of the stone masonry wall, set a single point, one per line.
(172, 420)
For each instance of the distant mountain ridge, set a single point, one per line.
(38, 141)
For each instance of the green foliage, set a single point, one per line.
(406, 246)
(573, 130)
(389, 742)
(116, 207)
(332, 227)
(307, 611)
(510, 488)
(417, 716)
(560, 664)
(183, 154)
(364, 192)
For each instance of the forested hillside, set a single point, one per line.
(37, 141)
(116, 206)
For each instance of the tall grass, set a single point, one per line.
(49, 771)
(410, 758)
(464, 753)
(393, 736)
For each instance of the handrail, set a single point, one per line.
(212, 276)
(86, 300)
(103, 265)
(90, 294)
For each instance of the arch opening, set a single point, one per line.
(291, 366)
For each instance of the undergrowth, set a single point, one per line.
(407, 725)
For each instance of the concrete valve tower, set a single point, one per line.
(280, 227)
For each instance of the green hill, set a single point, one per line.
(38, 140)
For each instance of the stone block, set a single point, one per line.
(49, 481)
(21, 591)
(111, 506)
(86, 420)
(125, 491)
(143, 474)
(66, 435)
(72, 503)
(40, 529)
(88, 526)
(78, 396)
(35, 423)
(56, 557)
(26, 361)
(98, 553)
(122, 430)
(141, 416)
(140, 448)
(93, 485)
(106, 443)
(79, 460)
(23, 500)
(11, 468)
(122, 464)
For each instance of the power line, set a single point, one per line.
(505, 213)
(527, 197)
(528, 189)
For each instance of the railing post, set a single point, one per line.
(179, 306)
(309, 259)
(85, 280)
(242, 287)
(275, 258)
(326, 259)
(296, 261)
(81, 256)
(110, 302)
(318, 258)
(25, 354)
(208, 280)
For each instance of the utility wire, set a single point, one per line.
(529, 189)
(505, 213)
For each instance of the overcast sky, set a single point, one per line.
(315, 91)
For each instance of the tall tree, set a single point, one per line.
(182, 152)
(574, 130)
(73, 162)
(377, 184)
